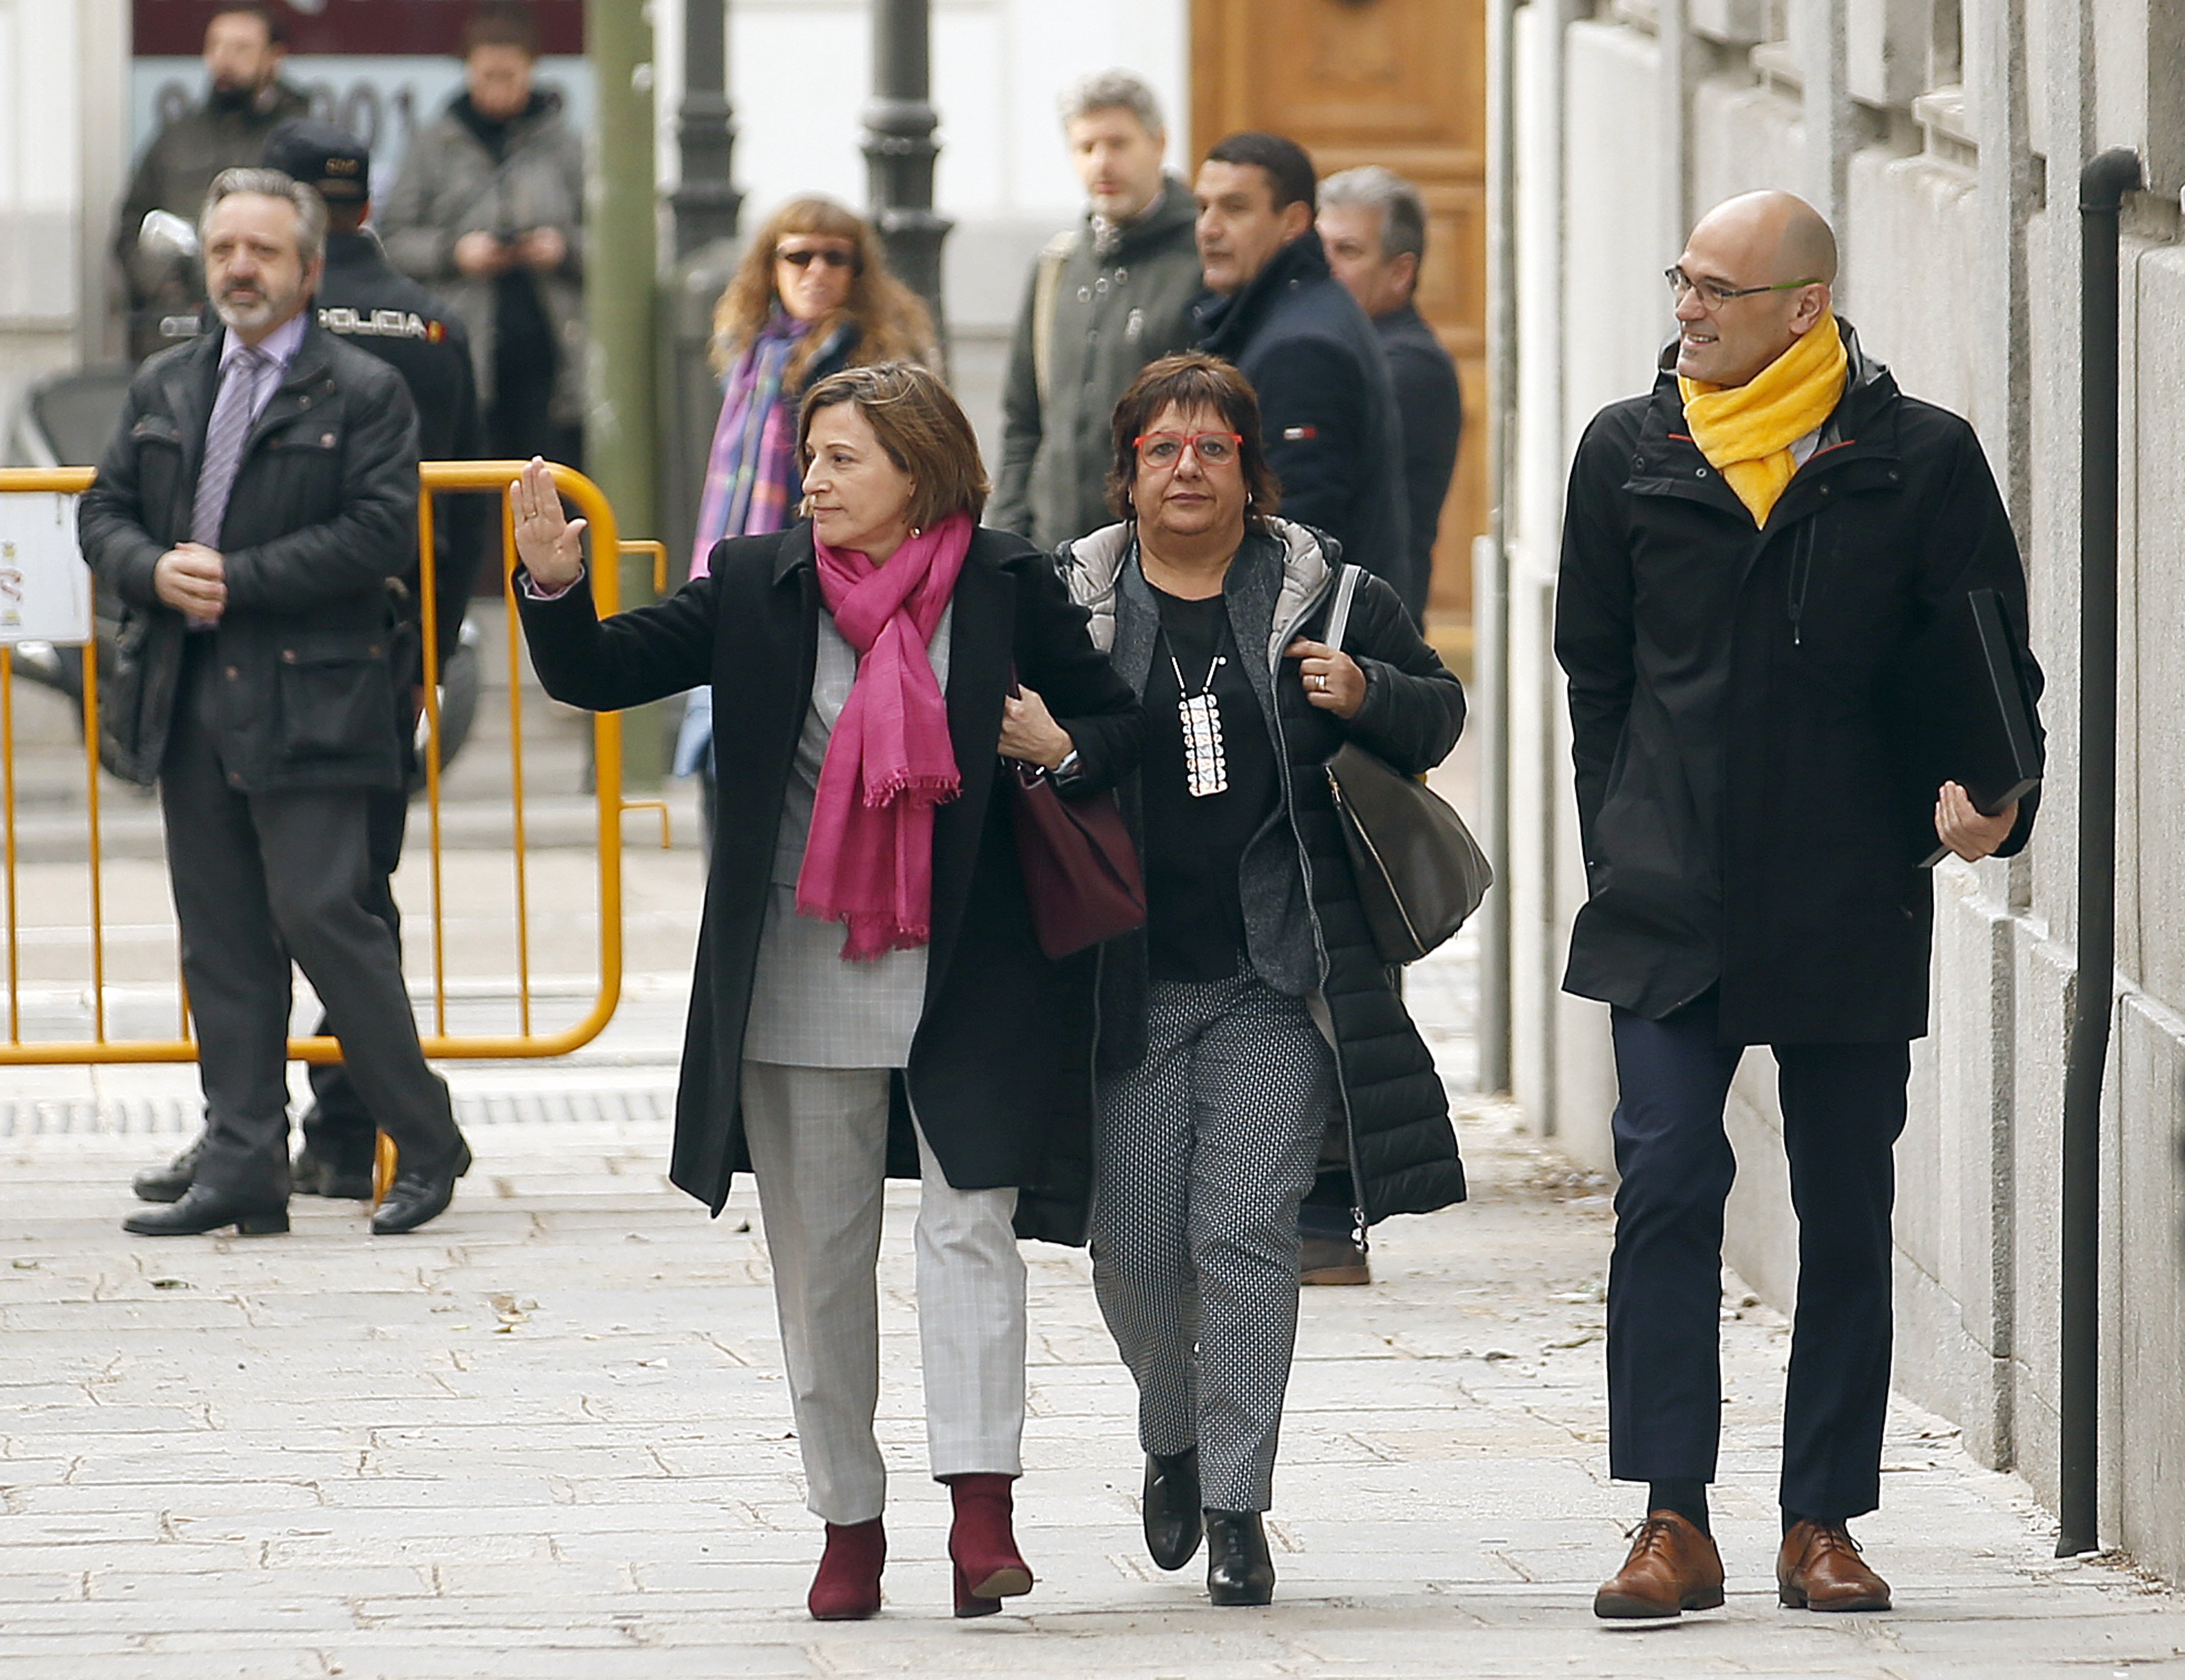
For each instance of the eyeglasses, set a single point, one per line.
(1714, 296)
(826, 258)
(1166, 449)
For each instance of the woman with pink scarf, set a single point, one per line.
(811, 296)
(870, 999)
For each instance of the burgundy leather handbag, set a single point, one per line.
(1080, 866)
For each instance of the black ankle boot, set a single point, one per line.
(1238, 1570)
(1172, 1521)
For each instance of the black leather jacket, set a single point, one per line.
(322, 516)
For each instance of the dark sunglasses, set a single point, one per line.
(827, 258)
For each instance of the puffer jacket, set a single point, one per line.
(1305, 933)
(450, 186)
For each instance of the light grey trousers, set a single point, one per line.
(818, 1146)
(1206, 1148)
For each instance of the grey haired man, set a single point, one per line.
(1102, 300)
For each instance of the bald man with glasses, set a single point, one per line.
(1749, 553)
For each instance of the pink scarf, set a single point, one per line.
(868, 862)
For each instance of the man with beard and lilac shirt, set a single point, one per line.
(257, 501)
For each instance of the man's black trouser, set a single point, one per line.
(261, 878)
(338, 1128)
(1843, 1108)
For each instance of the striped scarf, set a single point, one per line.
(753, 482)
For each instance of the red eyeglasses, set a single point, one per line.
(1166, 449)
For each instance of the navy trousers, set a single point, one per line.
(1843, 1108)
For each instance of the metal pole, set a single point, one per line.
(900, 148)
(1496, 1024)
(2101, 186)
(620, 431)
(706, 202)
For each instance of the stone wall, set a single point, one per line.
(1947, 151)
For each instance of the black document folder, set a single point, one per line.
(1964, 702)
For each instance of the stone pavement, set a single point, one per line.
(547, 1436)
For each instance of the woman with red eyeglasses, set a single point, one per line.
(811, 295)
(1252, 1013)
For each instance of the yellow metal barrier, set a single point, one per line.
(607, 742)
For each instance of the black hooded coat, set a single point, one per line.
(1746, 818)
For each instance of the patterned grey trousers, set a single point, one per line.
(1205, 1150)
(818, 1146)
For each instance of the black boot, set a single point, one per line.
(1238, 1570)
(171, 1182)
(1172, 1521)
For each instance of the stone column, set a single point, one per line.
(705, 202)
(900, 148)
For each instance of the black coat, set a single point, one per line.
(362, 300)
(1432, 405)
(323, 515)
(1306, 932)
(1744, 819)
(1001, 1064)
(1328, 411)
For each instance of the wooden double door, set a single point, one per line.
(1402, 83)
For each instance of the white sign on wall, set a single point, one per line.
(45, 587)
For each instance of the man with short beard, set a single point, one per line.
(1103, 299)
(245, 101)
(1328, 407)
(258, 498)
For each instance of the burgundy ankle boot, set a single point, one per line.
(989, 1568)
(847, 1587)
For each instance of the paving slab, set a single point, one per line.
(548, 1437)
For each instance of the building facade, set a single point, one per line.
(60, 176)
(1944, 139)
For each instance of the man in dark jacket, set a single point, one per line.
(1374, 225)
(363, 301)
(258, 497)
(1748, 554)
(1326, 406)
(1102, 301)
(246, 102)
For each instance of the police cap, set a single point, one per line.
(321, 155)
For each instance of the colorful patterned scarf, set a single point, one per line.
(752, 482)
(868, 860)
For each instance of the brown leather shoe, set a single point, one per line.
(1672, 1568)
(1819, 1568)
(1336, 1260)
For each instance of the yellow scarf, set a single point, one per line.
(1746, 431)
